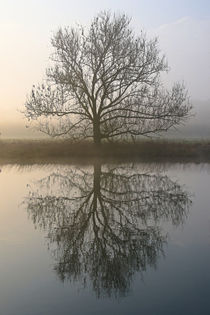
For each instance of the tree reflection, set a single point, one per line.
(103, 223)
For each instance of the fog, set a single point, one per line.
(196, 127)
(183, 38)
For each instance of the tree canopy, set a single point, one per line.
(104, 83)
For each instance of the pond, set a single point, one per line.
(105, 239)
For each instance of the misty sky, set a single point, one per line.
(26, 26)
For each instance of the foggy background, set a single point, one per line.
(183, 29)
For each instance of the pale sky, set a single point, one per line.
(26, 26)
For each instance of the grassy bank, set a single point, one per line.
(48, 151)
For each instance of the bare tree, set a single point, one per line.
(105, 84)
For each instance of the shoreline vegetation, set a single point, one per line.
(67, 152)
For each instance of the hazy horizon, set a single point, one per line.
(196, 127)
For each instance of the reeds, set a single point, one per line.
(59, 151)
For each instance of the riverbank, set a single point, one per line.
(58, 151)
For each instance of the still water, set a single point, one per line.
(105, 239)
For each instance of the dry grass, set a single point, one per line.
(64, 151)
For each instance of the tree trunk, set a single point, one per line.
(96, 186)
(97, 179)
(96, 133)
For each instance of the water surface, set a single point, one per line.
(108, 239)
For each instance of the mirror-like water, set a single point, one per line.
(108, 239)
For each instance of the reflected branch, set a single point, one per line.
(103, 223)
